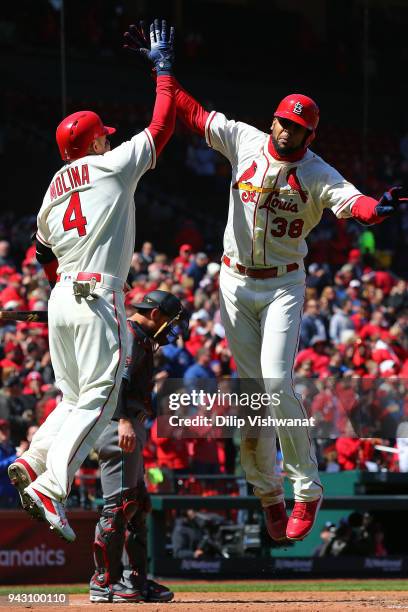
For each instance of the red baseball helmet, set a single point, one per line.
(76, 132)
(302, 110)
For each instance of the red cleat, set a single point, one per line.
(302, 519)
(52, 511)
(276, 520)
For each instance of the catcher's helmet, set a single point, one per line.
(76, 132)
(171, 306)
(302, 110)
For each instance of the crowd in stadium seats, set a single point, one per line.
(351, 368)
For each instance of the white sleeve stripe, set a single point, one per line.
(356, 195)
(42, 240)
(152, 148)
(207, 127)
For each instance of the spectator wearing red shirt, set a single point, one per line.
(362, 316)
(316, 354)
(325, 408)
(384, 280)
(13, 357)
(32, 384)
(11, 299)
(383, 352)
(200, 331)
(172, 452)
(361, 354)
(184, 256)
(348, 453)
(376, 328)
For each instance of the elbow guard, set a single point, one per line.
(47, 259)
(43, 253)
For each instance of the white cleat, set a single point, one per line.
(21, 478)
(53, 512)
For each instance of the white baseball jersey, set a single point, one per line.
(87, 216)
(273, 204)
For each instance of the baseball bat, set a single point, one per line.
(31, 316)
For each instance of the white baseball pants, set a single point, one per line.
(262, 323)
(88, 351)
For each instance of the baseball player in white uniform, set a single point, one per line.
(86, 235)
(279, 190)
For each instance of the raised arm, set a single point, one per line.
(220, 133)
(159, 52)
(346, 201)
(190, 112)
(164, 113)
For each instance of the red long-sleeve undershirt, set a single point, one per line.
(194, 116)
(363, 210)
(190, 112)
(164, 113)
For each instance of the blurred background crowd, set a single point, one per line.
(351, 369)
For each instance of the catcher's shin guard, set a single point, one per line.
(135, 553)
(108, 544)
(134, 557)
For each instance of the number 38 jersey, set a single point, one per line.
(87, 216)
(273, 204)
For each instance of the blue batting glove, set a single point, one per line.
(389, 202)
(161, 51)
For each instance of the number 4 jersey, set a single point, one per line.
(273, 204)
(87, 217)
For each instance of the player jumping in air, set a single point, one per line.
(279, 190)
(85, 239)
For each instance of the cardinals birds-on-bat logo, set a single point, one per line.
(291, 177)
(248, 174)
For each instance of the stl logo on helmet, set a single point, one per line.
(298, 108)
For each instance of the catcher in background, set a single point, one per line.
(122, 525)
